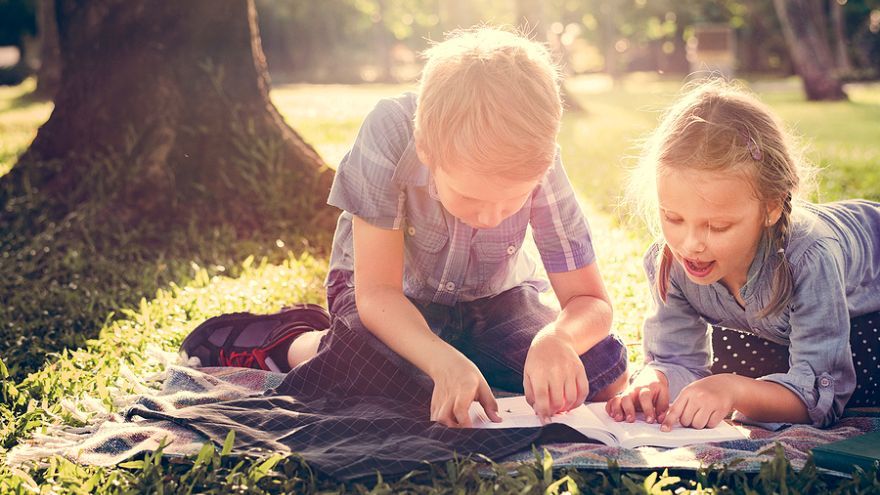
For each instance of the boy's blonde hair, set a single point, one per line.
(719, 127)
(489, 100)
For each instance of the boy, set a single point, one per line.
(440, 301)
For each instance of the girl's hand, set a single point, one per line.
(554, 379)
(703, 403)
(648, 393)
(457, 384)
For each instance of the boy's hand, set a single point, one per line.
(554, 379)
(703, 403)
(457, 384)
(648, 393)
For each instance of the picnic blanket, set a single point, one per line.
(363, 435)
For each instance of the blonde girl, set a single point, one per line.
(798, 282)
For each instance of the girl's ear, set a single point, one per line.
(774, 212)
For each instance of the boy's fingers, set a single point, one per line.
(571, 394)
(487, 400)
(628, 408)
(443, 413)
(662, 403)
(583, 388)
(542, 401)
(461, 410)
(529, 392)
(646, 401)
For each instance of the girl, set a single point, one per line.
(801, 281)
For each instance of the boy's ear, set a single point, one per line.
(420, 150)
(774, 212)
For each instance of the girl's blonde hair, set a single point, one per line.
(489, 100)
(719, 127)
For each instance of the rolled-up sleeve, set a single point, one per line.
(676, 339)
(821, 371)
(558, 224)
(363, 185)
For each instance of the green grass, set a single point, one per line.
(100, 301)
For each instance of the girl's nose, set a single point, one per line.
(696, 242)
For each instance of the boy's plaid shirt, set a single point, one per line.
(382, 181)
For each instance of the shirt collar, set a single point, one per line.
(410, 170)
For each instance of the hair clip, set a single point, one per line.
(752, 146)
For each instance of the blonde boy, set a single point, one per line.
(431, 295)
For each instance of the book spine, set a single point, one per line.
(843, 463)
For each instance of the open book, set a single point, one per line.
(592, 421)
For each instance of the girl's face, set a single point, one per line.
(712, 223)
(478, 200)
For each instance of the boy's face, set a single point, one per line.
(479, 200)
(712, 223)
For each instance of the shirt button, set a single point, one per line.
(824, 382)
(411, 231)
(450, 286)
(511, 249)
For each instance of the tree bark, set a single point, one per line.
(809, 48)
(49, 73)
(163, 114)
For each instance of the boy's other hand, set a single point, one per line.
(554, 379)
(458, 383)
(648, 393)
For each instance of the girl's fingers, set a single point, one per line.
(673, 413)
(701, 418)
(715, 418)
(688, 412)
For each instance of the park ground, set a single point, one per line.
(80, 314)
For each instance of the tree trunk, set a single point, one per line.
(49, 73)
(809, 48)
(163, 115)
(838, 27)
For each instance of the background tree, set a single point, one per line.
(805, 25)
(163, 116)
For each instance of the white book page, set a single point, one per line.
(641, 433)
(515, 412)
(592, 420)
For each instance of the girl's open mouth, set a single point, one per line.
(698, 269)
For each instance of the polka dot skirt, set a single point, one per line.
(748, 355)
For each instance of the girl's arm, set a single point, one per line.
(392, 318)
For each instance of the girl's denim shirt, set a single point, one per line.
(834, 255)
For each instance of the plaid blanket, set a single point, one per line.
(353, 438)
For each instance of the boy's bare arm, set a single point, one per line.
(554, 377)
(391, 317)
(586, 308)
